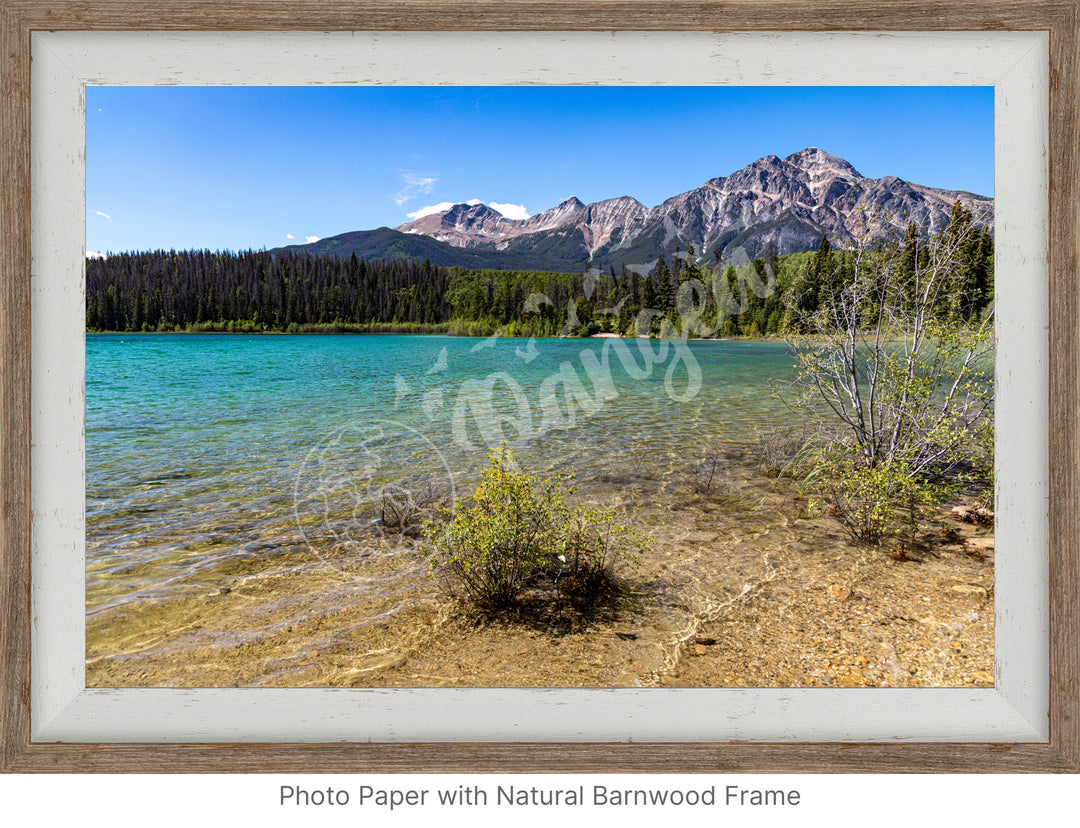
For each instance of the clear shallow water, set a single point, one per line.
(200, 447)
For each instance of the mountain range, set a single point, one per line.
(786, 202)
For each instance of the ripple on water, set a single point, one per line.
(195, 444)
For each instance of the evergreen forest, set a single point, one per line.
(293, 292)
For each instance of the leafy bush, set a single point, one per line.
(593, 545)
(875, 502)
(518, 528)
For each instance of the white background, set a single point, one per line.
(835, 800)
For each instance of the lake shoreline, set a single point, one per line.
(273, 567)
(780, 340)
(429, 333)
(743, 588)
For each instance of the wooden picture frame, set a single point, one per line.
(19, 752)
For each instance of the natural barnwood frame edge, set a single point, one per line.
(19, 18)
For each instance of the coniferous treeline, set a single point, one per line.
(192, 290)
(967, 291)
(257, 291)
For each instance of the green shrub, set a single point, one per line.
(875, 502)
(517, 528)
(593, 546)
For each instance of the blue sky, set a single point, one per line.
(233, 168)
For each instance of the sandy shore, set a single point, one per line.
(742, 588)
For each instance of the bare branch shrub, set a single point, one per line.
(893, 353)
(404, 509)
(710, 474)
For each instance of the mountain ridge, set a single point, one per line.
(787, 204)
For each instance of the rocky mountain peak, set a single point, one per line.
(814, 160)
(470, 212)
(767, 165)
(620, 204)
(461, 225)
(787, 202)
(565, 213)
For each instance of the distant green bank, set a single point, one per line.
(290, 292)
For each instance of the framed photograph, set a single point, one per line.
(901, 600)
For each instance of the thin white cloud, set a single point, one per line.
(311, 239)
(290, 236)
(103, 215)
(431, 209)
(414, 185)
(90, 254)
(511, 211)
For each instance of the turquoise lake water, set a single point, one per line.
(201, 445)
